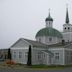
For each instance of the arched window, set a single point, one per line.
(50, 39)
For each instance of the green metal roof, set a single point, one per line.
(49, 32)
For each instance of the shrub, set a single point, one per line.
(10, 62)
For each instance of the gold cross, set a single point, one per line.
(66, 5)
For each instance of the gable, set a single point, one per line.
(21, 43)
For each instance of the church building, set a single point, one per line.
(51, 46)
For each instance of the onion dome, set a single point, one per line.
(49, 18)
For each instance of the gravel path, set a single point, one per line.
(29, 70)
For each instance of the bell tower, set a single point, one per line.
(67, 28)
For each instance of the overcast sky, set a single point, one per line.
(23, 18)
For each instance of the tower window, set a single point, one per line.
(68, 28)
(49, 22)
(65, 27)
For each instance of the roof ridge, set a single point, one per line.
(35, 42)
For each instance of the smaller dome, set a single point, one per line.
(49, 18)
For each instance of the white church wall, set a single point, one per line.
(15, 51)
(49, 24)
(46, 40)
(41, 39)
(68, 56)
(19, 51)
(67, 28)
(67, 36)
(58, 58)
(38, 55)
(47, 58)
(19, 55)
(54, 40)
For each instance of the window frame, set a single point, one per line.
(20, 55)
(57, 56)
(50, 39)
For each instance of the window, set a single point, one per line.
(6, 56)
(20, 54)
(68, 28)
(39, 39)
(44, 55)
(49, 22)
(68, 40)
(57, 53)
(39, 55)
(50, 39)
(1, 56)
(71, 55)
(26, 56)
(14, 54)
(71, 58)
(57, 56)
